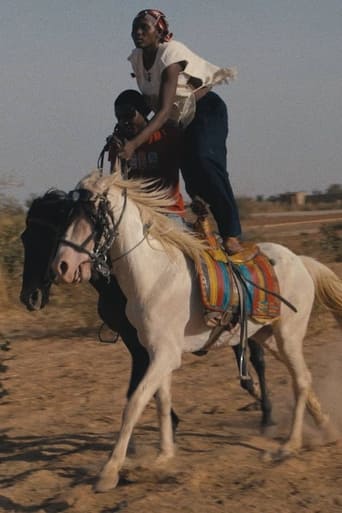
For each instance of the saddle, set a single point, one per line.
(225, 281)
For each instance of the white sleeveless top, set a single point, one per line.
(169, 53)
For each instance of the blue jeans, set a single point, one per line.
(204, 163)
(179, 220)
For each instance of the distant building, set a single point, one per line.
(299, 199)
(296, 199)
(326, 198)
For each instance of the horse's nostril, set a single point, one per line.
(63, 267)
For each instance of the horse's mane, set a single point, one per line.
(153, 203)
(50, 196)
(53, 201)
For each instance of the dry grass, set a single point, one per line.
(74, 308)
(69, 309)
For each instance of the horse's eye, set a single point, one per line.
(74, 195)
(83, 195)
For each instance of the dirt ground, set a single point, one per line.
(62, 397)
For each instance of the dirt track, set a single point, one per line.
(293, 221)
(61, 411)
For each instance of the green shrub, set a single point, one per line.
(245, 206)
(332, 240)
(11, 225)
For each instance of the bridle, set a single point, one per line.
(104, 231)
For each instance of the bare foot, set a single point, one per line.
(232, 245)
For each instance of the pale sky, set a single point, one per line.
(64, 61)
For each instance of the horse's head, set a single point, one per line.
(45, 221)
(100, 206)
(87, 239)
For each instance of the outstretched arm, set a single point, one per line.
(167, 95)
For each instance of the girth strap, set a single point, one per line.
(243, 319)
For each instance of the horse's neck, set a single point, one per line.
(139, 262)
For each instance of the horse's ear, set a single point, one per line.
(51, 194)
(94, 181)
(88, 180)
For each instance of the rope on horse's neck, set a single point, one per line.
(146, 229)
(100, 159)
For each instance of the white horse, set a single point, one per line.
(153, 261)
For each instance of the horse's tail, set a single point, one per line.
(328, 286)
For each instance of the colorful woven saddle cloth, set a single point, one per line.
(218, 287)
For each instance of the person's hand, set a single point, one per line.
(127, 150)
(115, 144)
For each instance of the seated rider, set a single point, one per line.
(157, 158)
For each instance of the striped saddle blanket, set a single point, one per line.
(219, 291)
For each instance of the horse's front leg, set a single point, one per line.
(148, 386)
(163, 400)
(112, 310)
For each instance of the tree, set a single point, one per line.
(334, 188)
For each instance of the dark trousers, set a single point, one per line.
(204, 163)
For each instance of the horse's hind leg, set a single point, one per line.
(258, 361)
(290, 347)
(292, 356)
(321, 419)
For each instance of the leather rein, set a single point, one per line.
(105, 230)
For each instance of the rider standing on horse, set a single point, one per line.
(177, 85)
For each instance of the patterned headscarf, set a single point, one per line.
(159, 21)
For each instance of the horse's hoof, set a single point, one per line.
(283, 454)
(266, 456)
(106, 482)
(163, 458)
(266, 426)
(331, 433)
(278, 456)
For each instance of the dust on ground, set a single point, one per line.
(62, 397)
(61, 413)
